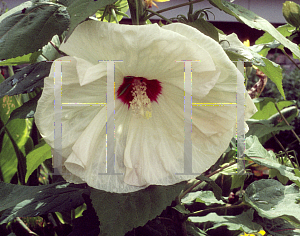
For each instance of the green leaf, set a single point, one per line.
(206, 28)
(257, 153)
(278, 227)
(16, 9)
(79, 10)
(120, 213)
(27, 110)
(237, 181)
(206, 197)
(291, 13)
(192, 230)
(231, 43)
(285, 30)
(275, 173)
(243, 222)
(49, 53)
(26, 80)
(19, 134)
(36, 157)
(274, 72)
(120, 7)
(29, 30)
(262, 128)
(267, 41)
(272, 200)
(266, 107)
(254, 21)
(216, 189)
(26, 59)
(23, 201)
(88, 223)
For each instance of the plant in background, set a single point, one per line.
(218, 202)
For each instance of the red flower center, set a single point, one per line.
(139, 89)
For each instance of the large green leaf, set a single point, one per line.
(30, 29)
(80, 10)
(22, 201)
(232, 44)
(206, 28)
(16, 9)
(271, 199)
(254, 21)
(36, 157)
(267, 39)
(261, 128)
(120, 213)
(243, 222)
(26, 59)
(26, 79)
(257, 153)
(274, 72)
(266, 107)
(278, 227)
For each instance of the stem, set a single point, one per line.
(287, 122)
(104, 12)
(291, 59)
(57, 49)
(283, 149)
(137, 12)
(24, 227)
(10, 71)
(114, 15)
(164, 18)
(200, 181)
(174, 7)
(201, 212)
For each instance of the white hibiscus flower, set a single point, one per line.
(149, 104)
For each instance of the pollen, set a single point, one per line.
(140, 104)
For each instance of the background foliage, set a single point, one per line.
(262, 200)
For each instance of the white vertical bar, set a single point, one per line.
(240, 100)
(188, 118)
(57, 154)
(110, 106)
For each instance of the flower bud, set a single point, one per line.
(291, 13)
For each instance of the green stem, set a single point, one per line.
(155, 13)
(206, 211)
(200, 181)
(57, 49)
(282, 147)
(114, 15)
(291, 59)
(297, 137)
(24, 227)
(10, 71)
(103, 15)
(174, 7)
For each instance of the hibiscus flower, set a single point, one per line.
(149, 104)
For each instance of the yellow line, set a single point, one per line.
(80, 103)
